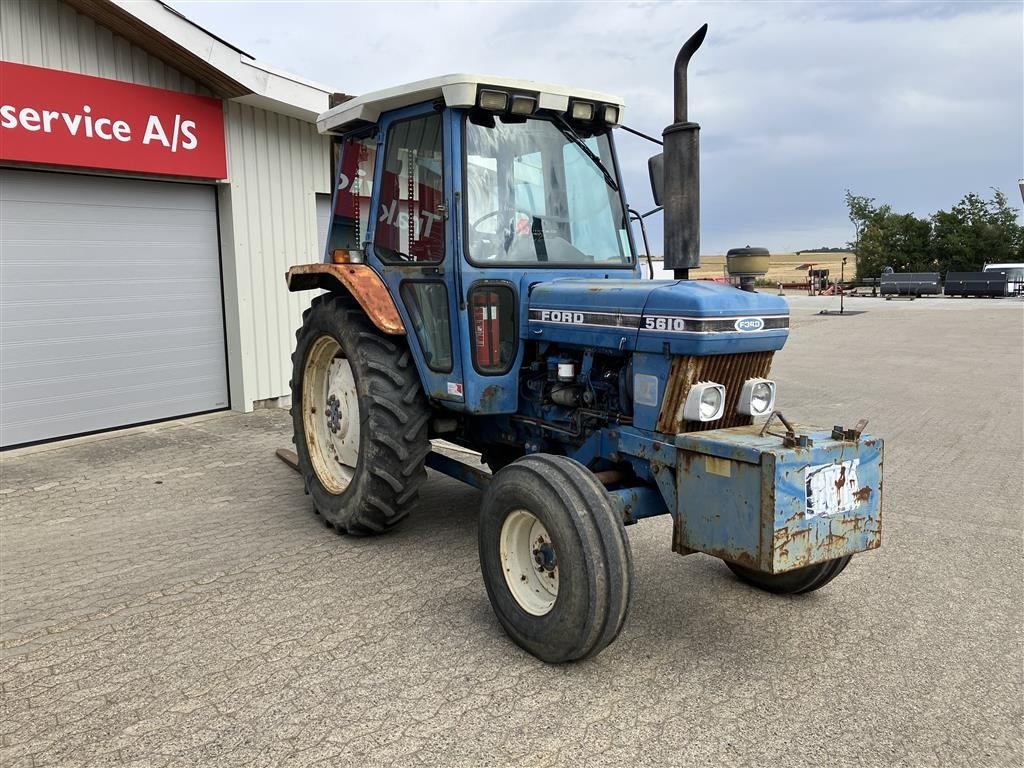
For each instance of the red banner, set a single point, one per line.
(61, 118)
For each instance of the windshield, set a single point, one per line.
(533, 196)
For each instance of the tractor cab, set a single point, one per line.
(462, 192)
(465, 193)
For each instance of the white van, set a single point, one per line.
(1014, 276)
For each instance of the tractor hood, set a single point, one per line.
(682, 317)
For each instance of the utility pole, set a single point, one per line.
(842, 282)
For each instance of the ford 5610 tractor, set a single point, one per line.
(481, 286)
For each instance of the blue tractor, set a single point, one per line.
(481, 286)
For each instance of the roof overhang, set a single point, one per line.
(227, 71)
(457, 91)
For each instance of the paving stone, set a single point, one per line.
(209, 619)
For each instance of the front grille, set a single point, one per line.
(728, 370)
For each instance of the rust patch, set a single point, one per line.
(833, 539)
(729, 370)
(488, 396)
(841, 480)
(357, 280)
(864, 494)
(745, 560)
(687, 460)
(798, 515)
(609, 476)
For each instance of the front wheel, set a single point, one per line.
(555, 558)
(795, 582)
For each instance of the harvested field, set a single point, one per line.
(783, 266)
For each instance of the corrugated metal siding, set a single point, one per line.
(276, 165)
(48, 33)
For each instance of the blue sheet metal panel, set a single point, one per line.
(753, 501)
(650, 376)
(587, 312)
(628, 296)
(634, 442)
(827, 506)
(737, 443)
(637, 503)
(705, 299)
(694, 317)
(681, 317)
(719, 507)
(713, 343)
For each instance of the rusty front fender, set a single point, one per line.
(357, 280)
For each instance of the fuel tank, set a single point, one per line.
(678, 317)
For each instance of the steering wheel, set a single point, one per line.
(493, 245)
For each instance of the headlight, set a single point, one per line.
(704, 402)
(757, 398)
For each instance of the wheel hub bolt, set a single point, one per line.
(333, 413)
(544, 557)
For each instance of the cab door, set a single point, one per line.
(412, 242)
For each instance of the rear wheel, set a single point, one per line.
(359, 418)
(795, 582)
(555, 558)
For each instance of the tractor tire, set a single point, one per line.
(796, 582)
(359, 417)
(555, 558)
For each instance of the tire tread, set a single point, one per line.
(395, 419)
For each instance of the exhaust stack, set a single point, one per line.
(681, 180)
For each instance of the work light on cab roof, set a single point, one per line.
(482, 286)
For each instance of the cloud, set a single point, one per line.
(915, 104)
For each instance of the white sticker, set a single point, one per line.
(645, 389)
(832, 488)
(454, 389)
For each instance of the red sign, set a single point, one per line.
(61, 118)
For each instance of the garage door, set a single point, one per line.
(110, 304)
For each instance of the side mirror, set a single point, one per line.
(656, 168)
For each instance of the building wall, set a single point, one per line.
(276, 166)
(48, 33)
(267, 208)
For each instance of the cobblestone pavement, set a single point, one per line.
(169, 599)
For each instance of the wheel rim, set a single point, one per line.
(330, 414)
(529, 563)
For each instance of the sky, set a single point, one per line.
(913, 103)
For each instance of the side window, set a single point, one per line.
(410, 222)
(352, 202)
(427, 304)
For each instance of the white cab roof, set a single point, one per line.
(457, 91)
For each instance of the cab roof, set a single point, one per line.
(457, 91)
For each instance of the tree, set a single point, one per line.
(974, 232)
(885, 238)
(861, 210)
